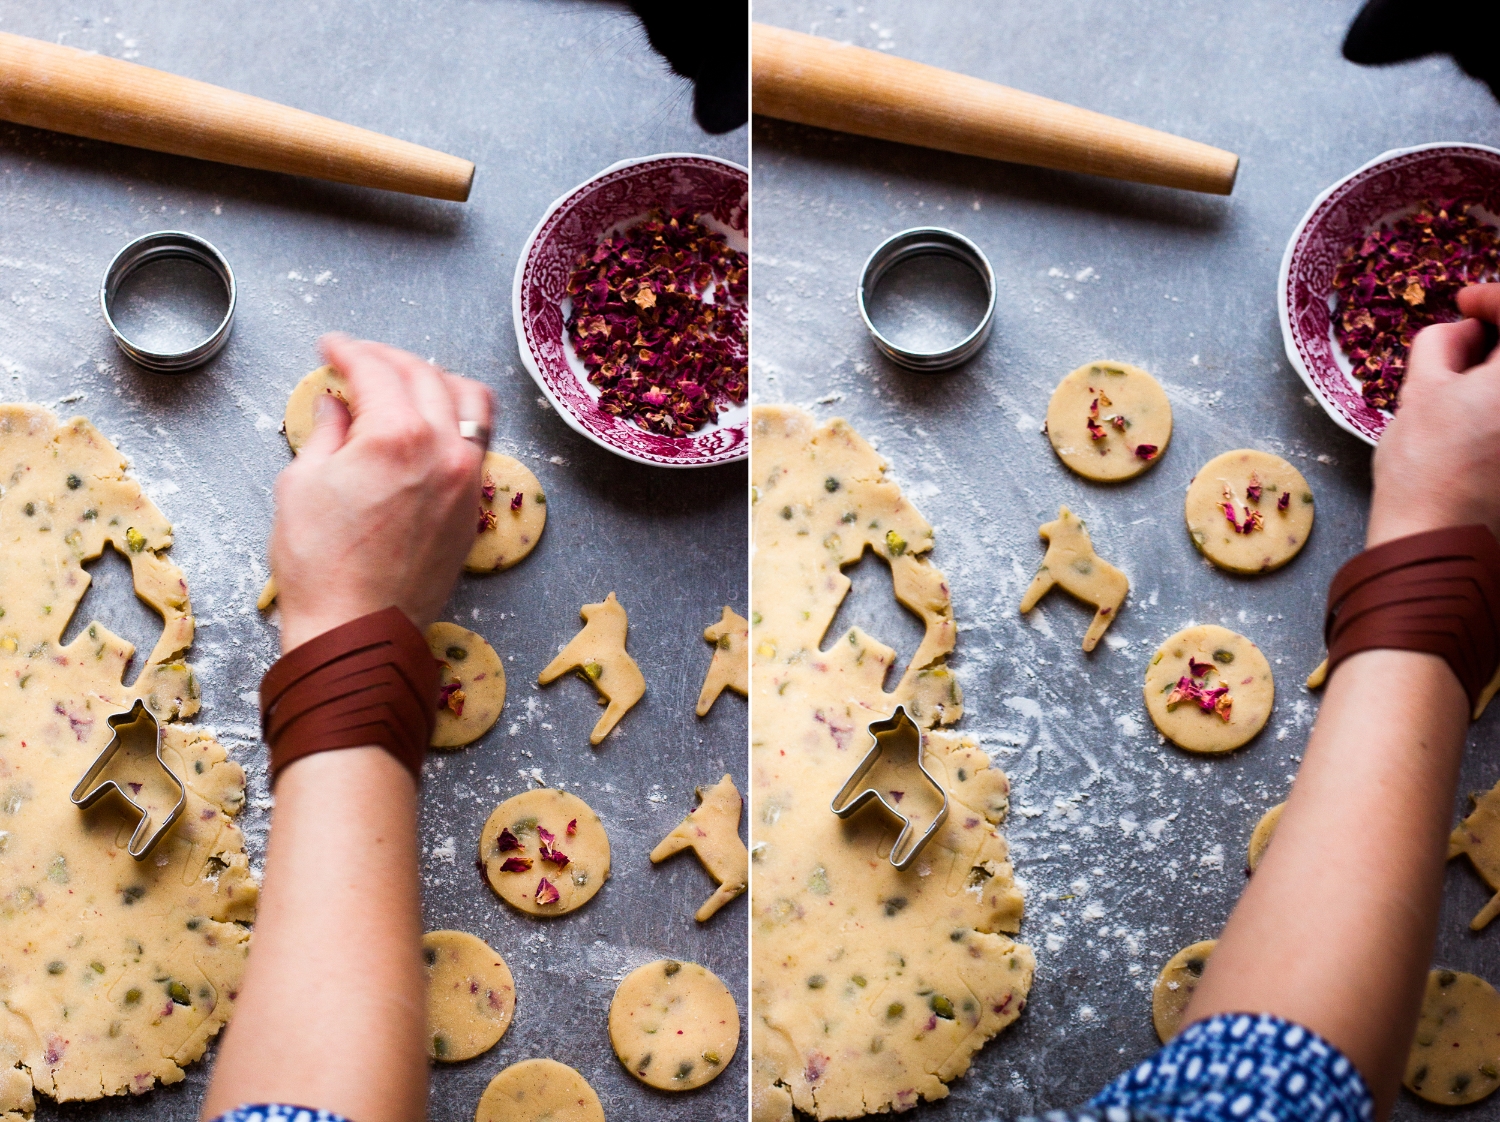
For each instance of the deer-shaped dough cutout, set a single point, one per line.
(598, 654)
(1478, 835)
(731, 664)
(712, 831)
(1071, 562)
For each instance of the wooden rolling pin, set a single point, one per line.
(816, 81)
(71, 91)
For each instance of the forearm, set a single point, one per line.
(1335, 930)
(332, 1010)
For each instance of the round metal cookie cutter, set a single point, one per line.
(155, 247)
(925, 241)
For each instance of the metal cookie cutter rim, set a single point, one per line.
(846, 802)
(155, 247)
(83, 801)
(921, 241)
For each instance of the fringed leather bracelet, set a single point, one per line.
(371, 681)
(1437, 592)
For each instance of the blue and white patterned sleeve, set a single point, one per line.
(278, 1112)
(1235, 1068)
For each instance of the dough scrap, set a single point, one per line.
(539, 1091)
(517, 834)
(598, 654)
(114, 974)
(1249, 511)
(473, 685)
(1109, 421)
(1455, 1057)
(1175, 985)
(1260, 837)
(840, 937)
(1232, 661)
(1070, 561)
(731, 662)
(512, 514)
(674, 1025)
(1478, 837)
(301, 415)
(1319, 675)
(712, 831)
(471, 996)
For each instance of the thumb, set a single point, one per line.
(330, 428)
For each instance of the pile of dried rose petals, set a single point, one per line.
(663, 355)
(1400, 279)
(1193, 686)
(1096, 430)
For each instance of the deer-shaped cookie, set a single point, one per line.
(598, 653)
(712, 831)
(731, 663)
(1071, 562)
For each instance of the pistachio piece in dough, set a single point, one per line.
(1249, 511)
(731, 662)
(545, 852)
(1260, 837)
(1175, 985)
(1478, 836)
(1070, 561)
(598, 654)
(1209, 689)
(712, 831)
(1455, 1057)
(512, 513)
(471, 996)
(673, 1025)
(1109, 421)
(539, 1091)
(472, 689)
(302, 405)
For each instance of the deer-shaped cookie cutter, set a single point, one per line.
(905, 735)
(85, 794)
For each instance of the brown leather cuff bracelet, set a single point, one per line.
(1437, 592)
(371, 681)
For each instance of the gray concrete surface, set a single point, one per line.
(540, 94)
(1129, 848)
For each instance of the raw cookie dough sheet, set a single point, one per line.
(434, 278)
(1129, 849)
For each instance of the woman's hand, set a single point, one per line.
(1438, 463)
(380, 506)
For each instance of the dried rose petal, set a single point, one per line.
(515, 865)
(515, 501)
(1118, 421)
(1096, 430)
(486, 519)
(1199, 669)
(1252, 491)
(487, 489)
(547, 836)
(507, 841)
(1145, 451)
(546, 892)
(1284, 501)
(1214, 700)
(556, 856)
(451, 694)
(572, 827)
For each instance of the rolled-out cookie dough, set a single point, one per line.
(674, 1025)
(538, 876)
(539, 1091)
(1478, 837)
(1260, 837)
(512, 513)
(117, 973)
(1249, 511)
(1070, 561)
(712, 831)
(731, 662)
(1222, 659)
(302, 405)
(471, 996)
(472, 690)
(598, 654)
(1109, 421)
(1455, 1056)
(1175, 985)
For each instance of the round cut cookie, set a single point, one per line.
(1455, 1057)
(473, 685)
(512, 514)
(1175, 985)
(1260, 838)
(471, 996)
(539, 1091)
(1249, 511)
(545, 852)
(302, 405)
(1209, 689)
(1109, 421)
(673, 1025)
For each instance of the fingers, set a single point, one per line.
(1445, 350)
(471, 400)
(377, 389)
(330, 429)
(1480, 301)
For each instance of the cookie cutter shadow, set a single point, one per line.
(901, 737)
(137, 721)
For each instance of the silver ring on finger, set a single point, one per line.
(473, 430)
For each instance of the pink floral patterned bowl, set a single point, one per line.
(615, 199)
(1382, 190)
